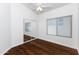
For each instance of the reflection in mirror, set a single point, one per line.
(28, 27)
(61, 26)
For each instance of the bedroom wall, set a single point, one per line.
(5, 24)
(78, 28)
(70, 9)
(19, 13)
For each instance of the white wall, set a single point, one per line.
(78, 28)
(5, 25)
(71, 9)
(19, 13)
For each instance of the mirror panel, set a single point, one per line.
(28, 27)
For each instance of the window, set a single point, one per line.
(61, 26)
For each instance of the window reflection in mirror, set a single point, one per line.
(28, 27)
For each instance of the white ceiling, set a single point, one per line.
(46, 6)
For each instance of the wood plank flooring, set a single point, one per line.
(41, 47)
(27, 37)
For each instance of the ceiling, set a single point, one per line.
(45, 6)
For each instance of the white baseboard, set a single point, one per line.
(17, 45)
(5, 51)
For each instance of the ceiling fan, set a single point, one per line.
(41, 6)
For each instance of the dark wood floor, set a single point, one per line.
(41, 47)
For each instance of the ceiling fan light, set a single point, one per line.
(39, 9)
